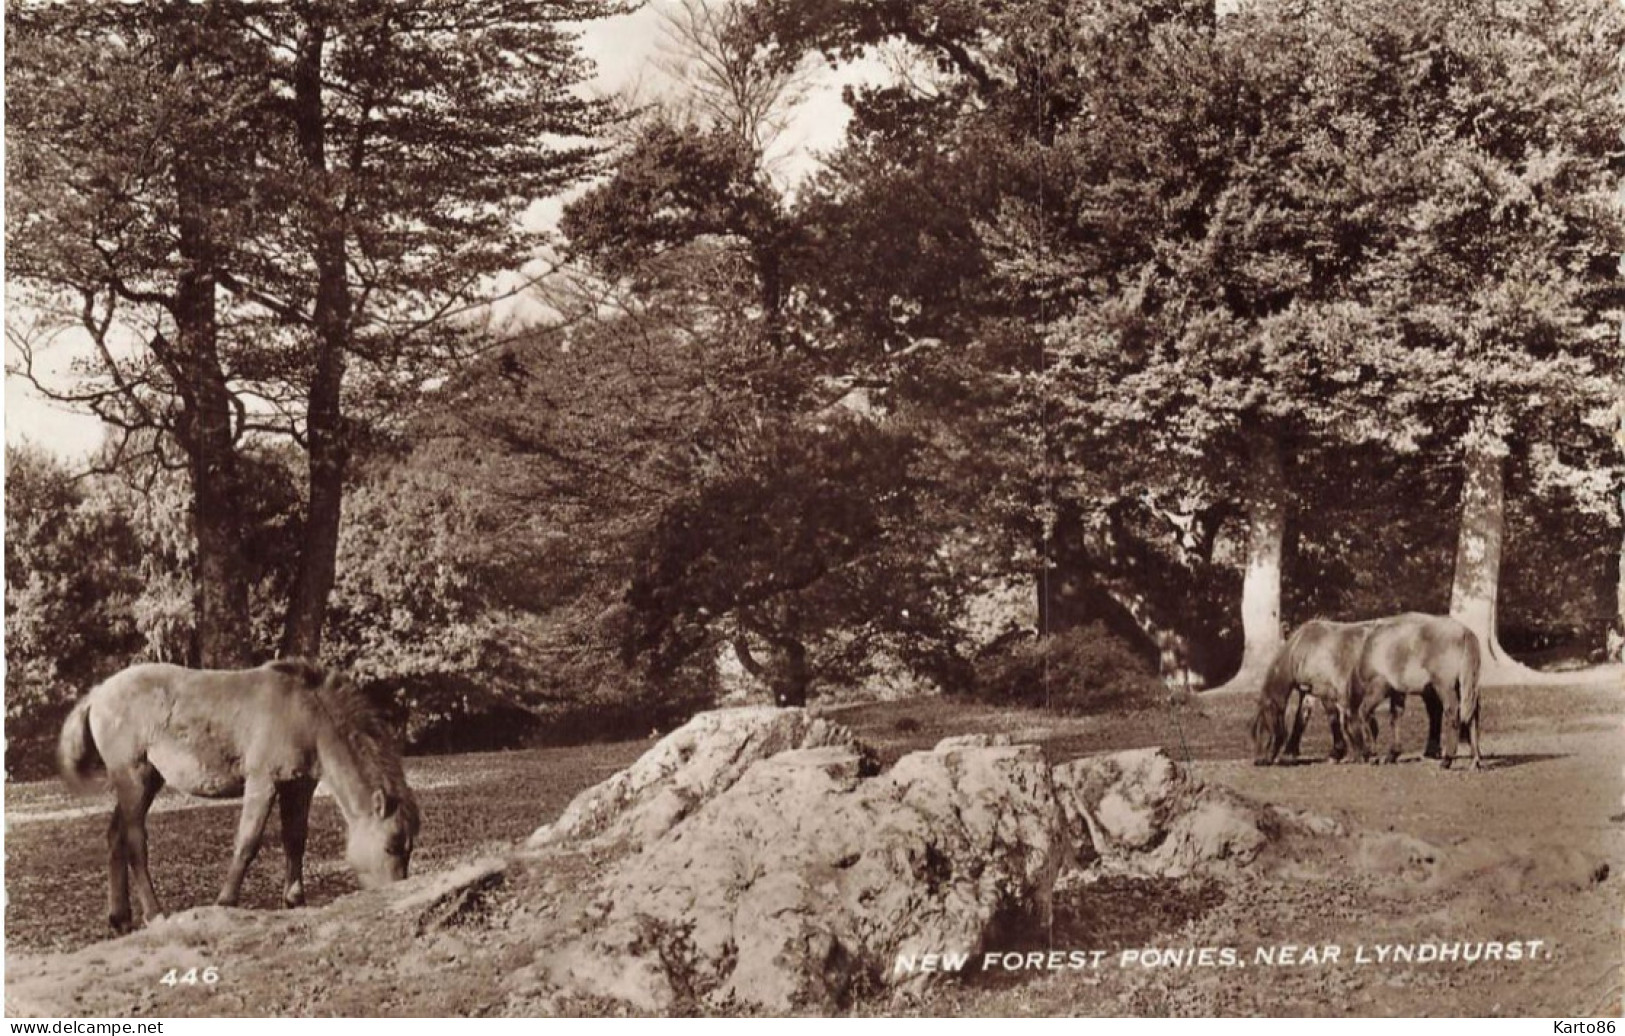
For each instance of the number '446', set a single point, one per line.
(190, 977)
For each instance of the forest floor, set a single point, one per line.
(1514, 854)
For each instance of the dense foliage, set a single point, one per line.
(1115, 333)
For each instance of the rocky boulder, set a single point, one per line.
(802, 882)
(1139, 812)
(690, 766)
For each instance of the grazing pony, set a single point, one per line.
(259, 734)
(1413, 654)
(1317, 661)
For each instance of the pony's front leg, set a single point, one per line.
(258, 794)
(1306, 706)
(293, 801)
(118, 876)
(1396, 710)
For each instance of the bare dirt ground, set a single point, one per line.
(1515, 853)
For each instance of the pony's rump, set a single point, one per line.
(76, 754)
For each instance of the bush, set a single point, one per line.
(1085, 669)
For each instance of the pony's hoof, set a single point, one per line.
(225, 901)
(293, 900)
(1431, 752)
(120, 923)
(1444, 764)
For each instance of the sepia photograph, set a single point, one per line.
(818, 508)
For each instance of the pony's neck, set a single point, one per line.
(342, 773)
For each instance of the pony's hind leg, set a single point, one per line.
(1472, 739)
(1340, 745)
(136, 787)
(1450, 728)
(258, 792)
(118, 875)
(293, 801)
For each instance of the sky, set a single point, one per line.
(624, 50)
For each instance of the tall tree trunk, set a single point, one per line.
(206, 435)
(1476, 586)
(324, 419)
(1261, 584)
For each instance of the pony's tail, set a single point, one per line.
(1470, 666)
(76, 754)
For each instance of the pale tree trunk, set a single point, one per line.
(1476, 588)
(1261, 584)
(1616, 635)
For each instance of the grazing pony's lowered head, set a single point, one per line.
(1269, 725)
(383, 824)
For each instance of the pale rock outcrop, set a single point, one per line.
(690, 766)
(803, 882)
(1139, 812)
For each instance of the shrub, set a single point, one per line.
(1085, 669)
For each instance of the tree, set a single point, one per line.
(1506, 290)
(340, 179)
(71, 576)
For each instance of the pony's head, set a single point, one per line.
(1269, 724)
(383, 824)
(1269, 730)
(381, 838)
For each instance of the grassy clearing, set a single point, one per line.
(56, 869)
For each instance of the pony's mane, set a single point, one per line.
(362, 726)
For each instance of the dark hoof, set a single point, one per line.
(293, 902)
(1444, 764)
(1261, 762)
(1430, 752)
(120, 923)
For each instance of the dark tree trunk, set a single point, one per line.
(790, 678)
(221, 584)
(787, 676)
(324, 420)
